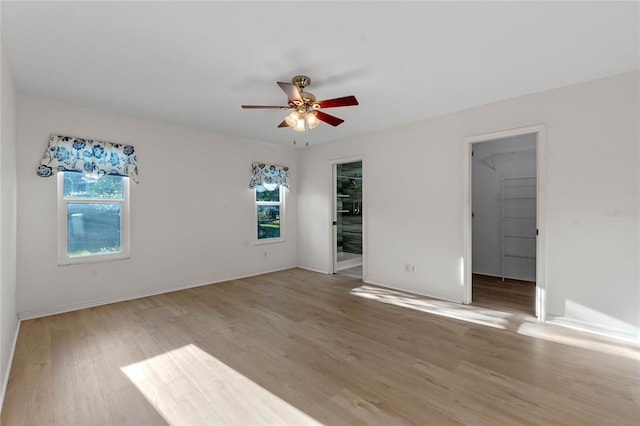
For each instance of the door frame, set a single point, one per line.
(334, 215)
(540, 131)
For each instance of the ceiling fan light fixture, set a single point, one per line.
(312, 119)
(296, 120)
(299, 126)
(292, 119)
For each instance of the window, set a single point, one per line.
(93, 218)
(269, 212)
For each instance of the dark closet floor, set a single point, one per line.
(513, 296)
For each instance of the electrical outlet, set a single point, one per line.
(407, 267)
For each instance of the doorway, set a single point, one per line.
(504, 244)
(347, 220)
(503, 184)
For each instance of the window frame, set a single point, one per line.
(63, 224)
(281, 205)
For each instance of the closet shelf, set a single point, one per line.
(517, 256)
(518, 216)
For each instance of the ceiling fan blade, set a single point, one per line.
(291, 90)
(265, 106)
(329, 119)
(283, 124)
(338, 102)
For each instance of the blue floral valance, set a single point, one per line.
(268, 173)
(92, 158)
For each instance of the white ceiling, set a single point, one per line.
(194, 63)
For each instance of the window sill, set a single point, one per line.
(81, 260)
(269, 241)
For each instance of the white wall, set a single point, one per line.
(488, 171)
(192, 219)
(197, 227)
(414, 201)
(8, 317)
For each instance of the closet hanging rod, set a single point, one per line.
(518, 178)
(510, 151)
(491, 156)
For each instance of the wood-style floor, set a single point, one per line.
(514, 296)
(298, 347)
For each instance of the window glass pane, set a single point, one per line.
(77, 186)
(263, 195)
(93, 229)
(268, 222)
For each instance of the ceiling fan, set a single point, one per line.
(306, 112)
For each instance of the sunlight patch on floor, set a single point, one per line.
(188, 386)
(501, 320)
(474, 314)
(579, 339)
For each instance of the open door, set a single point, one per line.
(347, 218)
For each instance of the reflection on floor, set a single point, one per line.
(343, 255)
(347, 261)
(354, 272)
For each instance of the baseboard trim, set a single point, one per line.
(385, 285)
(626, 335)
(313, 269)
(488, 274)
(61, 309)
(509, 277)
(5, 382)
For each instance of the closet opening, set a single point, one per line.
(504, 225)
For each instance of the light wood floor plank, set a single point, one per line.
(298, 347)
